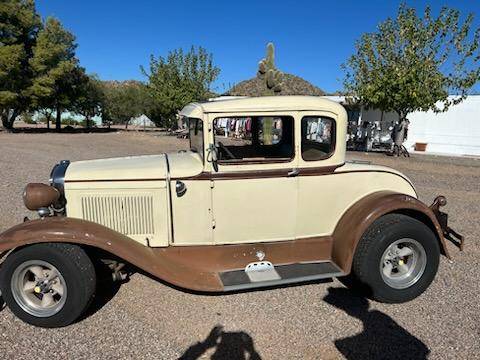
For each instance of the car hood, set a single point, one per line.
(148, 167)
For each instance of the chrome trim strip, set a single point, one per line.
(57, 176)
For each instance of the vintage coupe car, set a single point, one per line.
(264, 197)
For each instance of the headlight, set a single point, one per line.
(40, 196)
(57, 176)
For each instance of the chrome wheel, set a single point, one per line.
(39, 288)
(403, 263)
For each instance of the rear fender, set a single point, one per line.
(356, 220)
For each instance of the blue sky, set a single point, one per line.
(312, 38)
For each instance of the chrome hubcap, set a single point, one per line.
(39, 288)
(403, 263)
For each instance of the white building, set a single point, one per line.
(455, 132)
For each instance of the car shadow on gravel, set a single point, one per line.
(225, 344)
(106, 290)
(103, 295)
(381, 338)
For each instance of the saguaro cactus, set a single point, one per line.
(273, 85)
(268, 72)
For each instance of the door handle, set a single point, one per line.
(293, 172)
(180, 188)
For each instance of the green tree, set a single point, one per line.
(90, 98)
(58, 75)
(413, 63)
(19, 25)
(177, 80)
(123, 101)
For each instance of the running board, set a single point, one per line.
(263, 274)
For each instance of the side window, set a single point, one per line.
(254, 139)
(195, 134)
(318, 137)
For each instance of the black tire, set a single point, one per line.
(366, 268)
(75, 267)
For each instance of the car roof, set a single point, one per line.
(260, 104)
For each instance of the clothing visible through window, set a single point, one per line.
(318, 137)
(254, 138)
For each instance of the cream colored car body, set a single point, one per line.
(136, 195)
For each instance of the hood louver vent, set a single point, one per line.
(129, 215)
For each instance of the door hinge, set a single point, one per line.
(212, 184)
(213, 224)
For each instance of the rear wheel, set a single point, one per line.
(48, 285)
(396, 259)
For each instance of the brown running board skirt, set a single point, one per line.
(279, 275)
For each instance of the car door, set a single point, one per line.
(190, 195)
(254, 191)
(321, 194)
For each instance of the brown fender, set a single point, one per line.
(190, 267)
(160, 262)
(356, 220)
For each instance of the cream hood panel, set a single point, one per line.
(126, 168)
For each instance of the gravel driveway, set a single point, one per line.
(150, 320)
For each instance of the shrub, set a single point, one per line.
(69, 121)
(28, 119)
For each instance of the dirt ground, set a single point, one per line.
(150, 320)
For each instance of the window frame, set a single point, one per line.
(202, 152)
(333, 135)
(258, 161)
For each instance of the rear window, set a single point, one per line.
(254, 139)
(318, 138)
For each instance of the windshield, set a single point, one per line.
(195, 134)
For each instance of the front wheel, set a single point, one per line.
(48, 285)
(396, 259)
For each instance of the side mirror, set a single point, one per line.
(212, 156)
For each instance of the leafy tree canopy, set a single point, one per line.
(413, 63)
(90, 98)
(19, 25)
(177, 80)
(58, 76)
(123, 101)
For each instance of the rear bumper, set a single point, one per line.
(449, 234)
